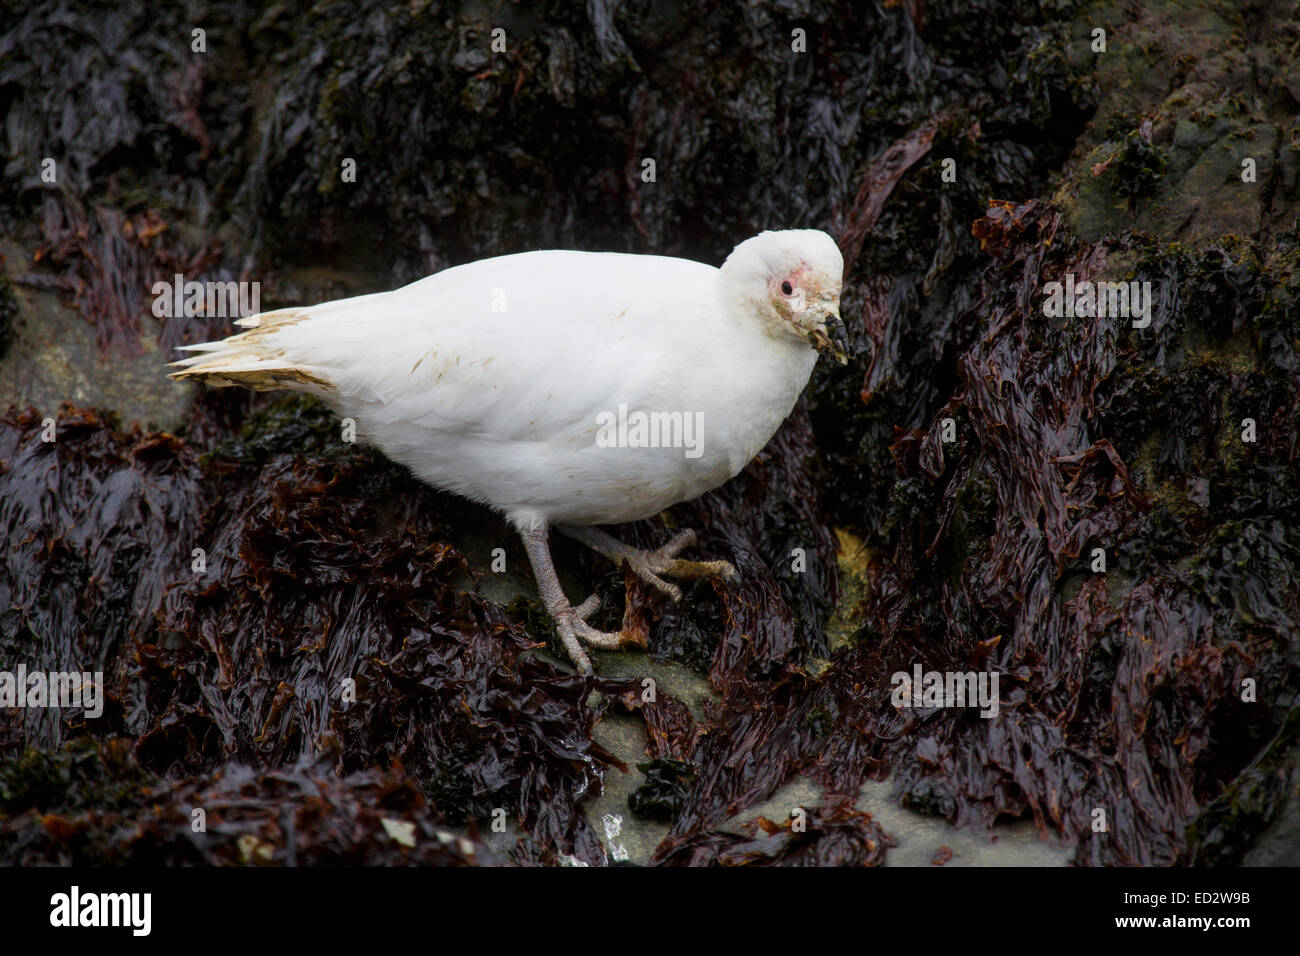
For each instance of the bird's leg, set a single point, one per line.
(650, 565)
(571, 622)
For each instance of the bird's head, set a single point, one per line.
(792, 278)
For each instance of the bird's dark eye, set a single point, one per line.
(786, 288)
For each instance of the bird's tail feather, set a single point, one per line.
(253, 359)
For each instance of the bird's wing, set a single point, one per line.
(525, 347)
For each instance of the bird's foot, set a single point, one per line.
(652, 566)
(571, 622)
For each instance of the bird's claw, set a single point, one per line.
(649, 566)
(575, 631)
(605, 640)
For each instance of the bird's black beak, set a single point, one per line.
(831, 336)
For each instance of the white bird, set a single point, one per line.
(565, 389)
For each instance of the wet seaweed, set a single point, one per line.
(1125, 686)
(319, 611)
(660, 797)
(237, 816)
(833, 834)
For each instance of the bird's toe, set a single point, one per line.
(587, 608)
(700, 570)
(677, 544)
(606, 640)
(646, 568)
(572, 646)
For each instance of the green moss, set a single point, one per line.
(292, 423)
(1139, 168)
(84, 775)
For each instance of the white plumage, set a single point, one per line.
(492, 380)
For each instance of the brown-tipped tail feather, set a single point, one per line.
(250, 359)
